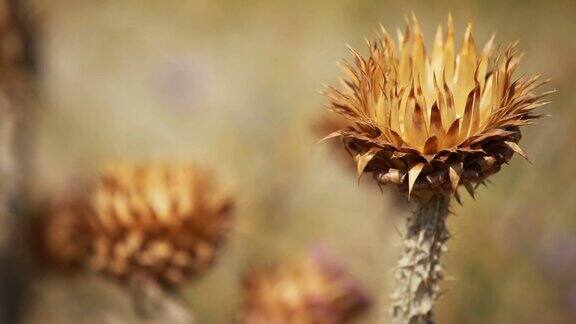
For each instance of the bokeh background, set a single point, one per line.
(234, 85)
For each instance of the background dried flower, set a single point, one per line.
(59, 234)
(163, 221)
(312, 290)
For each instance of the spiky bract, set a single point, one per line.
(432, 122)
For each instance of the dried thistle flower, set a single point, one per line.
(313, 290)
(433, 122)
(429, 124)
(163, 221)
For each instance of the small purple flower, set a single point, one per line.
(558, 255)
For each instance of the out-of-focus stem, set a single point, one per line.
(17, 88)
(155, 304)
(10, 278)
(419, 271)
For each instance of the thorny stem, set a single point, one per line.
(155, 304)
(419, 271)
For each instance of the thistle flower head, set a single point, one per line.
(433, 120)
(163, 221)
(313, 290)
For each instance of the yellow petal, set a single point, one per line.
(438, 53)
(362, 160)
(468, 116)
(418, 51)
(452, 135)
(432, 146)
(465, 68)
(404, 66)
(449, 56)
(436, 127)
(454, 173)
(413, 175)
(419, 126)
(484, 60)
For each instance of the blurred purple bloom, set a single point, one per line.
(558, 255)
(181, 83)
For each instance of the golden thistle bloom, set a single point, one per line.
(314, 290)
(163, 221)
(432, 122)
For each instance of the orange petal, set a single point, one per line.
(436, 127)
(450, 109)
(431, 146)
(468, 115)
(419, 126)
(451, 139)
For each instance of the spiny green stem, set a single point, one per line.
(419, 271)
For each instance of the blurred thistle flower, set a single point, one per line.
(433, 122)
(312, 290)
(166, 222)
(11, 38)
(429, 124)
(62, 229)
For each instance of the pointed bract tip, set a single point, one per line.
(516, 148)
(329, 136)
(470, 190)
(450, 20)
(413, 175)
